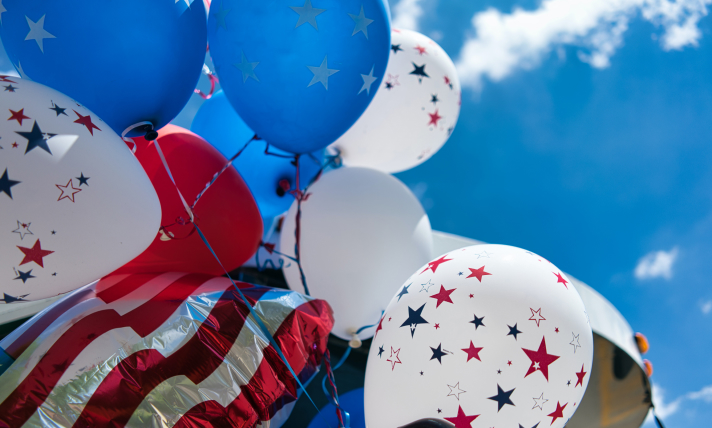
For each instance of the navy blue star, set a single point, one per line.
(6, 184)
(380, 351)
(459, 274)
(36, 138)
(419, 71)
(421, 373)
(434, 99)
(24, 276)
(438, 353)
(513, 331)
(54, 232)
(502, 398)
(440, 410)
(396, 48)
(404, 291)
(389, 85)
(9, 299)
(10, 88)
(499, 371)
(57, 109)
(83, 179)
(478, 322)
(568, 383)
(414, 318)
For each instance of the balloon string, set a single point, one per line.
(213, 81)
(170, 175)
(254, 314)
(657, 419)
(224, 168)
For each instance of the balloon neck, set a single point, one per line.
(355, 342)
(151, 135)
(283, 187)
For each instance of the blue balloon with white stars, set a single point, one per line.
(268, 177)
(299, 72)
(128, 61)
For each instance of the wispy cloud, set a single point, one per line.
(504, 42)
(657, 264)
(706, 307)
(665, 409)
(406, 14)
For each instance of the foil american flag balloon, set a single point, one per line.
(161, 350)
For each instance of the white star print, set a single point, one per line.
(455, 391)
(23, 229)
(368, 80)
(321, 74)
(575, 341)
(539, 402)
(37, 32)
(484, 254)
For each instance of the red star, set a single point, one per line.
(437, 326)
(421, 50)
(462, 420)
(380, 327)
(447, 80)
(556, 329)
(86, 121)
(395, 360)
(472, 352)
(509, 363)
(561, 280)
(434, 118)
(34, 254)
(558, 413)
(19, 116)
(471, 296)
(478, 273)
(69, 192)
(14, 145)
(434, 265)
(580, 375)
(540, 359)
(442, 296)
(5, 79)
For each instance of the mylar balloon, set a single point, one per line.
(138, 350)
(299, 72)
(413, 113)
(74, 202)
(490, 333)
(128, 61)
(226, 213)
(362, 231)
(269, 177)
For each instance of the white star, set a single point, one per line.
(484, 254)
(536, 316)
(362, 23)
(23, 229)
(426, 289)
(539, 402)
(368, 80)
(37, 32)
(321, 74)
(536, 365)
(2, 9)
(455, 391)
(575, 341)
(307, 14)
(247, 68)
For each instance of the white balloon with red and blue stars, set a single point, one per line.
(75, 204)
(484, 336)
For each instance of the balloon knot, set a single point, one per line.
(151, 135)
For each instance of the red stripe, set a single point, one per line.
(21, 404)
(268, 391)
(123, 287)
(125, 387)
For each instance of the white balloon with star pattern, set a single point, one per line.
(75, 204)
(413, 113)
(484, 336)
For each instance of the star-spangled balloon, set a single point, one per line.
(312, 66)
(48, 206)
(512, 372)
(74, 47)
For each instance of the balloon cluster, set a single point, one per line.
(321, 101)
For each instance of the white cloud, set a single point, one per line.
(656, 264)
(706, 307)
(504, 42)
(406, 14)
(665, 409)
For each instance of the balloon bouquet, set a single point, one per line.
(140, 222)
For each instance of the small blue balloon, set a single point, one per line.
(351, 402)
(128, 61)
(217, 122)
(299, 72)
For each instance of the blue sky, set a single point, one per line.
(587, 140)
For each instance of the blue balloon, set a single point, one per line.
(217, 122)
(128, 61)
(299, 72)
(352, 402)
